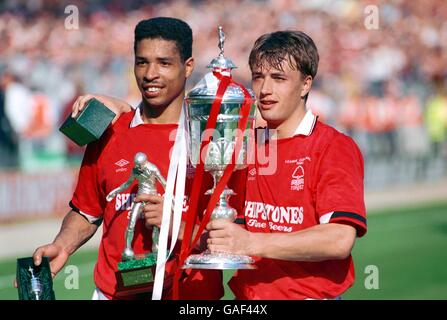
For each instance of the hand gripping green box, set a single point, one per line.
(89, 124)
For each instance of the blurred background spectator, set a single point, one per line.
(385, 87)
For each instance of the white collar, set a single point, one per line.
(305, 127)
(137, 120)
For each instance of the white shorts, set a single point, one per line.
(98, 295)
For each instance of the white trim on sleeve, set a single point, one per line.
(326, 217)
(90, 218)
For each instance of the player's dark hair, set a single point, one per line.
(167, 29)
(271, 49)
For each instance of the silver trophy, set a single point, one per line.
(135, 272)
(219, 153)
(146, 173)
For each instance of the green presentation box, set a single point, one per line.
(89, 124)
(34, 283)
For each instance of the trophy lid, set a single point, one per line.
(205, 90)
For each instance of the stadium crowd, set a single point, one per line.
(385, 86)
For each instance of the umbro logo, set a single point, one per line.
(122, 163)
(252, 174)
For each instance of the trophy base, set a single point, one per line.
(136, 276)
(218, 261)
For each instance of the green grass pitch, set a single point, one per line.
(407, 246)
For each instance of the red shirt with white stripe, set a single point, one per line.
(317, 178)
(106, 165)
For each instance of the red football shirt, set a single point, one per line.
(106, 165)
(318, 179)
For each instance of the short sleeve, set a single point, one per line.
(340, 185)
(88, 199)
